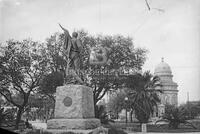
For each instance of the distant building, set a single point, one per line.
(169, 87)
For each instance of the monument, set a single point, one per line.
(74, 107)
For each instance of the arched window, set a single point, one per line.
(174, 99)
(167, 99)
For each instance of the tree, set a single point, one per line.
(56, 65)
(142, 94)
(192, 109)
(23, 65)
(175, 116)
(49, 83)
(122, 57)
(116, 104)
(121, 54)
(43, 105)
(4, 115)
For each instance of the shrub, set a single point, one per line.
(116, 131)
(36, 131)
(175, 116)
(6, 116)
(100, 113)
(45, 132)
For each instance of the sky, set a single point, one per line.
(171, 29)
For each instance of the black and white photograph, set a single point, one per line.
(100, 66)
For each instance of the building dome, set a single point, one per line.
(162, 69)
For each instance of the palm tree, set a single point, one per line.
(143, 95)
(175, 116)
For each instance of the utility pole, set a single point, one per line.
(126, 104)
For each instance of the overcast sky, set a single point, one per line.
(171, 29)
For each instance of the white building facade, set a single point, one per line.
(169, 87)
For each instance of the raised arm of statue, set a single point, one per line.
(65, 30)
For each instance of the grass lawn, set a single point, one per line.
(136, 127)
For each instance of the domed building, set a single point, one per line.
(169, 87)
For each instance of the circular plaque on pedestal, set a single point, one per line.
(67, 101)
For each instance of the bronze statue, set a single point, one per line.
(72, 48)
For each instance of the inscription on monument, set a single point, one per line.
(67, 101)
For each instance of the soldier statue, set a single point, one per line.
(72, 49)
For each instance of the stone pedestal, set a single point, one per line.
(74, 109)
